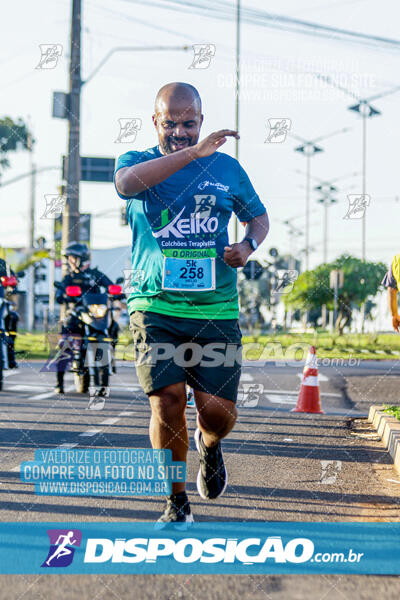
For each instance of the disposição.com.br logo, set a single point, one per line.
(62, 547)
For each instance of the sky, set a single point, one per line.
(278, 78)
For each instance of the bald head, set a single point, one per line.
(177, 93)
(177, 116)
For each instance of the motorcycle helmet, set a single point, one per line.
(78, 249)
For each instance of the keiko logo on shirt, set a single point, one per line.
(180, 228)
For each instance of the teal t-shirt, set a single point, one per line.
(186, 217)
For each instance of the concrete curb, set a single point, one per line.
(388, 428)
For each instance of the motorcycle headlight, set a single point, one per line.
(98, 311)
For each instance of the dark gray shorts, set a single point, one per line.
(204, 353)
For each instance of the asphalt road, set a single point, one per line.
(276, 473)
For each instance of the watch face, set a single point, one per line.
(252, 243)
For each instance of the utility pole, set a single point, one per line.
(70, 231)
(366, 111)
(364, 182)
(308, 183)
(30, 299)
(309, 148)
(237, 105)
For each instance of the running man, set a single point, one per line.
(180, 196)
(391, 281)
(62, 549)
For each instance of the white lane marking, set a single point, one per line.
(282, 399)
(296, 393)
(287, 440)
(28, 388)
(42, 396)
(89, 432)
(129, 387)
(49, 394)
(321, 377)
(126, 413)
(9, 373)
(109, 421)
(246, 377)
(66, 446)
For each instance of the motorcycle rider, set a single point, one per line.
(90, 281)
(12, 317)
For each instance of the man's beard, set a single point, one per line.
(171, 144)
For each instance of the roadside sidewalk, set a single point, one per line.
(301, 467)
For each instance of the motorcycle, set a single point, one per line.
(93, 351)
(9, 283)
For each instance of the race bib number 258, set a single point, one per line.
(193, 275)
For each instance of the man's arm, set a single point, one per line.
(103, 280)
(392, 298)
(60, 291)
(130, 181)
(236, 255)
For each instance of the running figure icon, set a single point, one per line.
(63, 544)
(62, 549)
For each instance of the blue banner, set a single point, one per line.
(102, 472)
(214, 548)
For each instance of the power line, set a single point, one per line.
(223, 10)
(140, 21)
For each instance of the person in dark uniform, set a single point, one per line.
(11, 319)
(90, 281)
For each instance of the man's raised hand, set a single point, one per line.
(212, 142)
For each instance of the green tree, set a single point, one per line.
(14, 136)
(361, 282)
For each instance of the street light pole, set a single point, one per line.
(30, 292)
(129, 49)
(326, 188)
(364, 180)
(308, 183)
(28, 174)
(237, 104)
(365, 110)
(325, 258)
(326, 201)
(309, 149)
(70, 224)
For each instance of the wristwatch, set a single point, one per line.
(252, 242)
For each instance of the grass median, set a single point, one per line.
(393, 411)
(356, 346)
(37, 345)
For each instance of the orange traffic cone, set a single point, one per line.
(309, 400)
